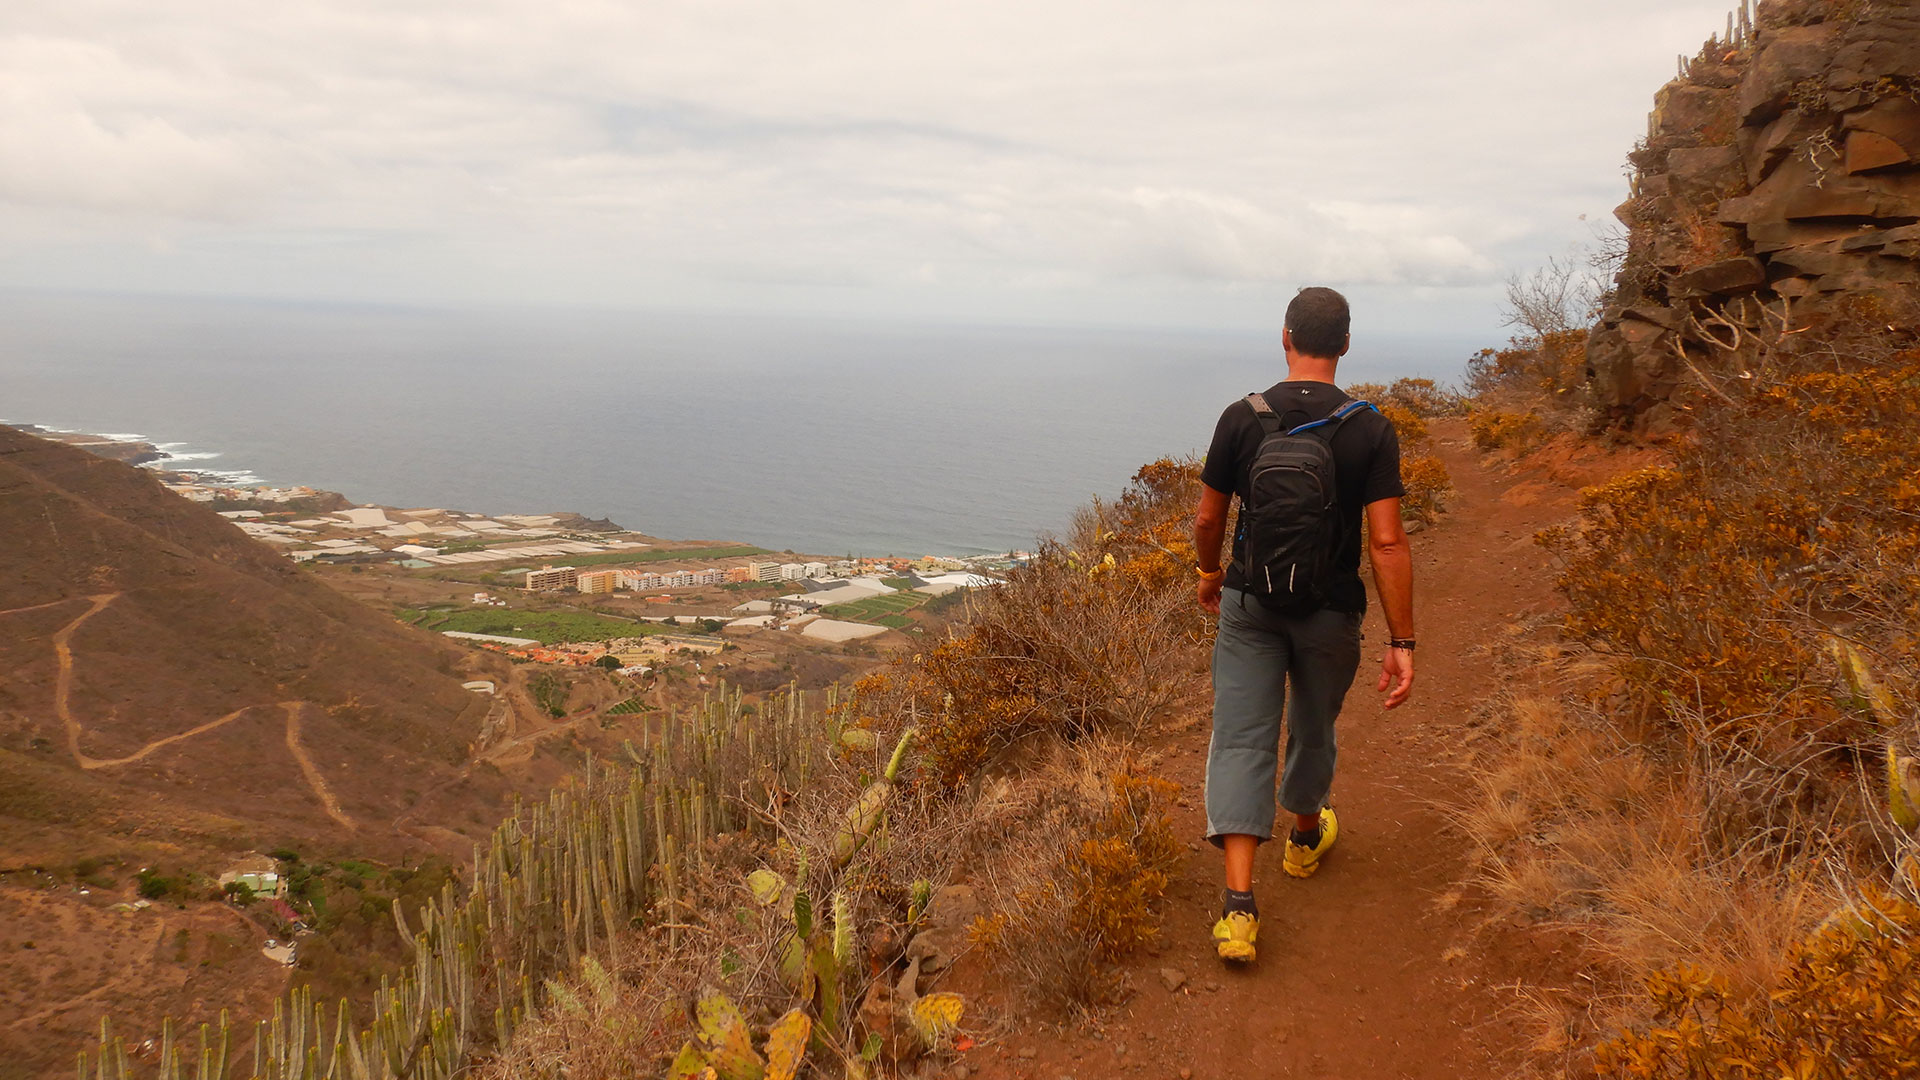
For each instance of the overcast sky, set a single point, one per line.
(1175, 164)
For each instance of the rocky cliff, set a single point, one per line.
(1778, 185)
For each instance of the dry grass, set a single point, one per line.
(1083, 857)
(1625, 841)
(1691, 785)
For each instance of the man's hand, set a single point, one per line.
(1209, 593)
(1396, 670)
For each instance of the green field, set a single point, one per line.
(628, 707)
(887, 609)
(546, 627)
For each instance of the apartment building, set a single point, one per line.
(765, 571)
(552, 579)
(740, 575)
(597, 581)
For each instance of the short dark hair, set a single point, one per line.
(1319, 320)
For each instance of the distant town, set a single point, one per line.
(645, 601)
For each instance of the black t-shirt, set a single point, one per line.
(1366, 468)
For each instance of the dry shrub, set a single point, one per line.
(1498, 429)
(1550, 369)
(1848, 1005)
(1406, 423)
(1710, 789)
(1082, 640)
(1657, 848)
(1792, 517)
(1428, 486)
(1421, 398)
(1087, 854)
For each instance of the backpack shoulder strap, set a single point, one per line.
(1263, 412)
(1339, 416)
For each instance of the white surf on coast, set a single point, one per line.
(822, 437)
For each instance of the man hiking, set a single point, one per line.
(1306, 462)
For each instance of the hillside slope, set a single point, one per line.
(153, 649)
(174, 695)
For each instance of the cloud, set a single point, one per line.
(961, 158)
(56, 149)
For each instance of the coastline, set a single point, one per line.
(358, 532)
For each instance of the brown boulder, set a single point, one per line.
(1886, 45)
(1813, 260)
(1659, 316)
(1704, 173)
(1800, 190)
(1787, 132)
(1902, 242)
(1771, 236)
(1896, 117)
(949, 918)
(1728, 276)
(1687, 109)
(1786, 57)
(1868, 150)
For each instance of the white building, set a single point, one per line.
(365, 517)
(793, 571)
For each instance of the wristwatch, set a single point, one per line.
(1400, 643)
(1211, 575)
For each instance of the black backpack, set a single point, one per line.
(1290, 519)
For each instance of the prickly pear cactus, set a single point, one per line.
(767, 887)
(842, 929)
(803, 913)
(1903, 789)
(1866, 691)
(796, 968)
(787, 1044)
(862, 818)
(918, 901)
(936, 1017)
(726, 1040)
(688, 1064)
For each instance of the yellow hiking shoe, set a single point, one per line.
(1302, 861)
(1234, 934)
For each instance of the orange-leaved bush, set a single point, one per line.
(1847, 1006)
(1087, 637)
(1125, 865)
(1796, 513)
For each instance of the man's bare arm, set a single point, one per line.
(1209, 532)
(1392, 560)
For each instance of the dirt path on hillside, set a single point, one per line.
(1382, 965)
(63, 708)
(312, 772)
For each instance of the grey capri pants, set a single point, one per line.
(1268, 667)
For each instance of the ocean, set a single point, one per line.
(822, 437)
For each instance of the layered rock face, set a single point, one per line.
(1781, 173)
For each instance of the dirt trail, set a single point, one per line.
(1381, 965)
(63, 708)
(307, 769)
